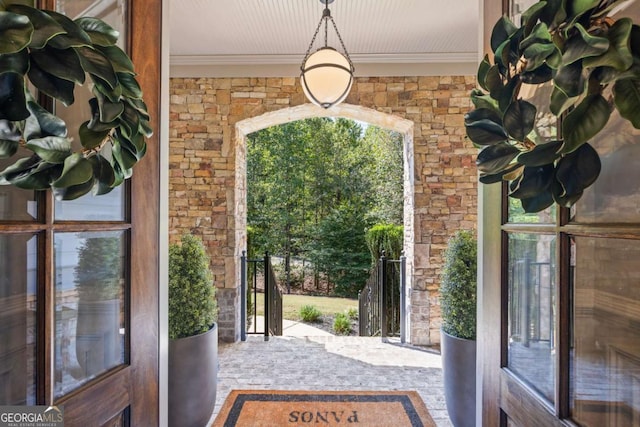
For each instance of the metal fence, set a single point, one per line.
(382, 302)
(253, 271)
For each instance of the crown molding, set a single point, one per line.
(378, 58)
(378, 65)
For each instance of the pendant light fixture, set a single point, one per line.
(327, 75)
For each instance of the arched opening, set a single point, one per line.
(383, 120)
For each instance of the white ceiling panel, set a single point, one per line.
(279, 31)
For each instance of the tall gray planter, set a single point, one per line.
(459, 371)
(193, 379)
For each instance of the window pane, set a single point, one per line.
(16, 204)
(615, 196)
(90, 306)
(516, 7)
(517, 215)
(109, 207)
(532, 310)
(545, 131)
(605, 359)
(18, 264)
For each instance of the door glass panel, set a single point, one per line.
(545, 130)
(511, 423)
(18, 283)
(16, 204)
(532, 310)
(120, 420)
(90, 306)
(109, 207)
(605, 354)
(517, 215)
(517, 7)
(615, 196)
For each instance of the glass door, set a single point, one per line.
(570, 295)
(79, 282)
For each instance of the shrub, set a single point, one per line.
(458, 286)
(385, 237)
(310, 313)
(192, 304)
(352, 313)
(342, 324)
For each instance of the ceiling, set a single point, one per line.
(210, 38)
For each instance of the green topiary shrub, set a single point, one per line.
(458, 286)
(385, 237)
(310, 313)
(192, 304)
(342, 324)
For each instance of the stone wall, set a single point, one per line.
(203, 195)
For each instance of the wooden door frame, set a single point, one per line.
(146, 53)
(140, 382)
(490, 214)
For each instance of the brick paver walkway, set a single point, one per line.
(331, 363)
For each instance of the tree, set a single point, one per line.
(339, 249)
(386, 173)
(314, 186)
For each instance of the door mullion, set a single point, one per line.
(49, 312)
(563, 326)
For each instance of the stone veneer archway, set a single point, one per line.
(210, 118)
(348, 111)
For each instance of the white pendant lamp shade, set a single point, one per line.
(326, 77)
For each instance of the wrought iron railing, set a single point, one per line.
(254, 271)
(272, 301)
(382, 302)
(369, 305)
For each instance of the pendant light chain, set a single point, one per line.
(326, 74)
(326, 13)
(326, 16)
(346, 54)
(306, 55)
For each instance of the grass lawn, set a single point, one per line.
(327, 305)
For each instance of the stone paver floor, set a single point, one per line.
(331, 363)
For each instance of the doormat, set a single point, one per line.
(270, 408)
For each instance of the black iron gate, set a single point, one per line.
(254, 271)
(382, 302)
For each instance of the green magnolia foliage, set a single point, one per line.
(385, 237)
(53, 53)
(458, 285)
(192, 304)
(593, 65)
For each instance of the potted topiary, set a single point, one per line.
(458, 303)
(193, 345)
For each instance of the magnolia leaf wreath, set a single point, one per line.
(50, 52)
(582, 51)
